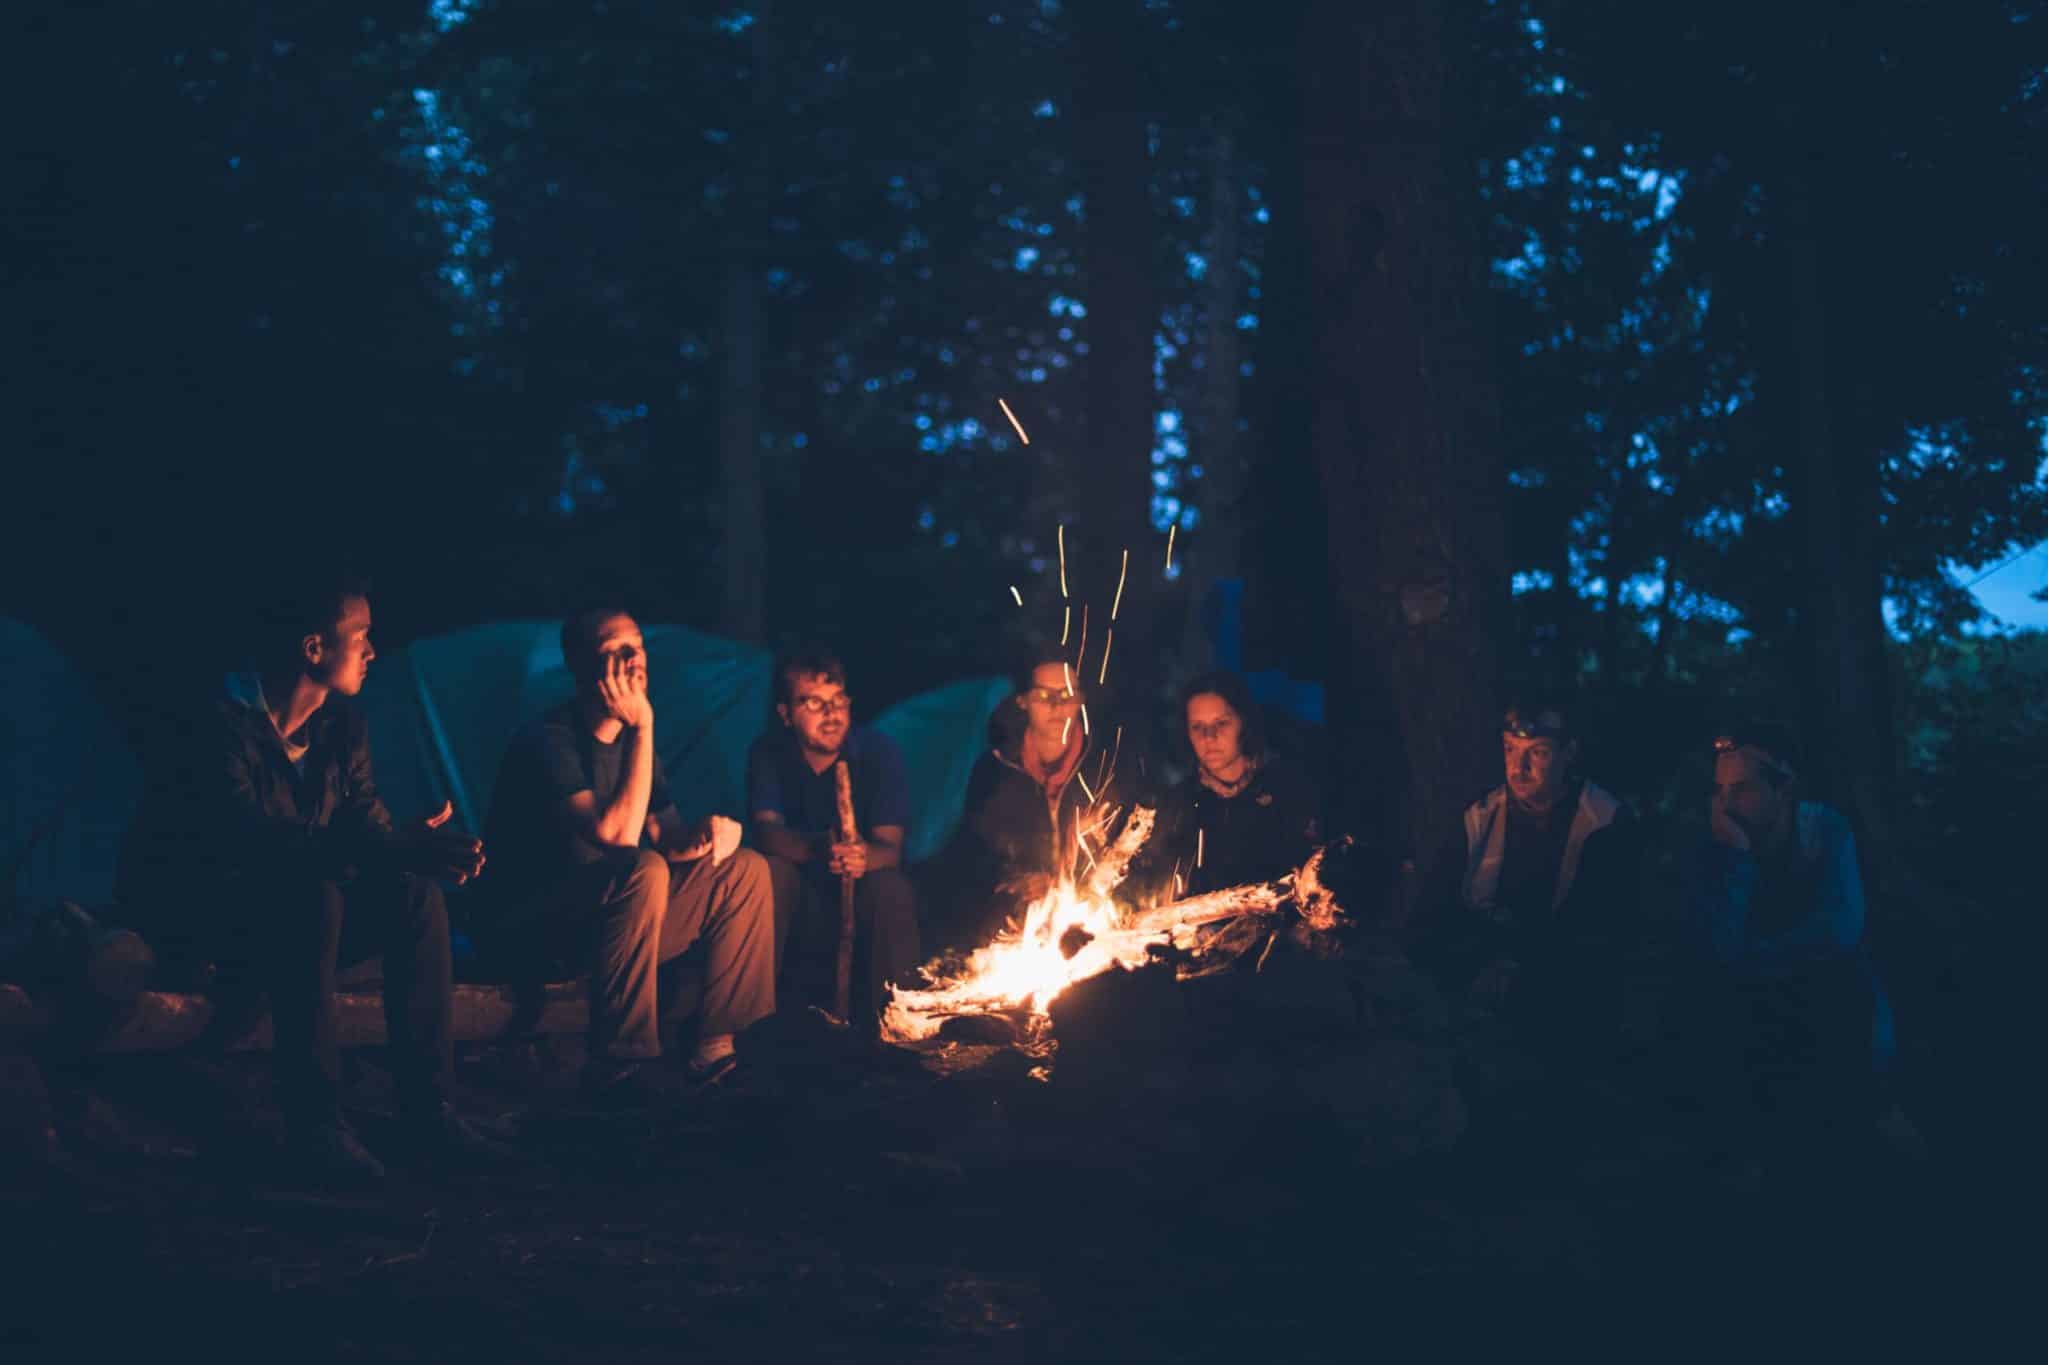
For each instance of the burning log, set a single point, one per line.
(1071, 934)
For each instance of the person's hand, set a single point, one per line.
(716, 836)
(622, 687)
(432, 850)
(1726, 831)
(848, 859)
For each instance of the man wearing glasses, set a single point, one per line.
(792, 799)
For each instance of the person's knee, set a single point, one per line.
(887, 893)
(425, 903)
(785, 878)
(747, 872)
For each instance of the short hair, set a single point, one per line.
(579, 634)
(1251, 739)
(308, 602)
(1539, 715)
(1779, 745)
(805, 661)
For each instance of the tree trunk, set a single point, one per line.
(743, 613)
(1406, 428)
(743, 610)
(1850, 743)
(1220, 541)
(1109, 477)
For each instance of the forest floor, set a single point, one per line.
(849, 1204)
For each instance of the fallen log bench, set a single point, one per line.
(163, 1021)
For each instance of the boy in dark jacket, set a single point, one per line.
(264, 850)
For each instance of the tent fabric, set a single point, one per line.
(443, 710)
(70, 783)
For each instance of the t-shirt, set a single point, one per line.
(526, 840)
(780, 780)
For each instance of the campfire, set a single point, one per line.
(1076, 931)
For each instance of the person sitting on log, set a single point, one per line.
(1773, 901)
(598, 872)
(1528, 903)
(792, 799)
(1028, 799)
(1246, 814)
(262, 850)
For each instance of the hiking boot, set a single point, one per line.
(329, 1153)
(438, 1136)
(715, 1072)
(617, 1083)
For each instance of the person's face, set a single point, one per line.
(1049, 706)
(1216, 733)
(1537, 769)
(619, 638)
(1744, 789)
(339, 659)
(818, 710)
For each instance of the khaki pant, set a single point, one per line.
(621, 917)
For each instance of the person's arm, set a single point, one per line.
(778, 840)
(886, 815)
(618, 819)
(1835, 924)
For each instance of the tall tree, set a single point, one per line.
(1405, 426)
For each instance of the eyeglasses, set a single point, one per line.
(1053, 696)
(824, 706)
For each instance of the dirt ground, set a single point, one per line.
(850, 1204)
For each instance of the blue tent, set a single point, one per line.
(443, 709)
(67, 781)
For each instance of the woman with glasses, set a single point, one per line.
(1036, 799)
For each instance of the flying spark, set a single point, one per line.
(1084, 720)
(1082, 653)
(1198, 846)
(1169, 545)
(1120, 575)
(1108, 644)
(1013, 421)
(1064, 730)
(1018, 595)
(1063, 558)
(1066, 622)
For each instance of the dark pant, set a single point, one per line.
(293, 938)
(620, 917)
(886, 944)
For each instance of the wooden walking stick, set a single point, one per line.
(842, 998)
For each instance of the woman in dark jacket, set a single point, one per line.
(1245, 815)
(1030, 798)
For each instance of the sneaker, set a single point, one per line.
(331, 1154)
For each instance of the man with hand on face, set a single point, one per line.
(263, 849)
(793, 799)
(601, 873)
(1774, 900)
(1540, 881)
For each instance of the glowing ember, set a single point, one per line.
(1018, 595)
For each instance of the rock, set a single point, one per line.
(980, 1028)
